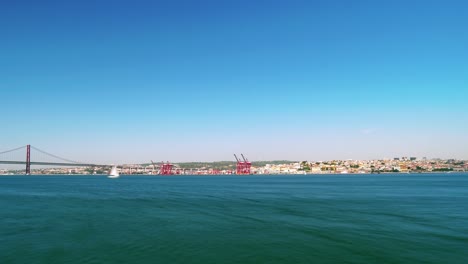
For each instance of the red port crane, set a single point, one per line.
(247, 165)
(166, 168)
(242, 167)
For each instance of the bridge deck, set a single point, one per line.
(54, 164)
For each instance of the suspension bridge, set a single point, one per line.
(29, 156)
(12, 156)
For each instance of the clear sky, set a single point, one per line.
(130, 81)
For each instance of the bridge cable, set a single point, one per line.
(57, 157)
(11, 150)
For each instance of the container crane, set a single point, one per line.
(247, 165)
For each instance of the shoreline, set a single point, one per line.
(243, 175)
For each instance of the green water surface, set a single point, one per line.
(228, 219)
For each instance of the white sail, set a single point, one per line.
(113, 173)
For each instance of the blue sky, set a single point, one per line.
(129, 81)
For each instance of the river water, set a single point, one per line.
(413, 218)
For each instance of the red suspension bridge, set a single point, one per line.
(11, 157)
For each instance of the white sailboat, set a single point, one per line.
(113, 173)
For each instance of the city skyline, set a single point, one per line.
(117, 81)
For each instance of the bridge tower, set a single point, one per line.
(28, 159)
